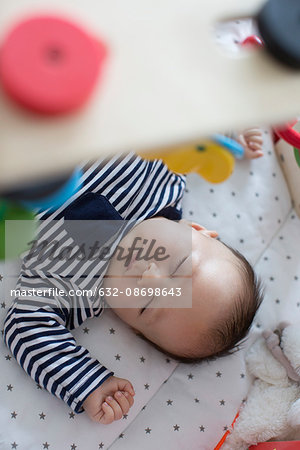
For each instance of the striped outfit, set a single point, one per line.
(36, 330)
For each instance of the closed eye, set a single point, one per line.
(143, 309)
(171, 276)
(180, 263)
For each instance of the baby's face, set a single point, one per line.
(187, 285)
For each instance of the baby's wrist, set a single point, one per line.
(102, 389)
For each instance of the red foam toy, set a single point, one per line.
(50, 65)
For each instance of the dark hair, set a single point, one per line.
(224, 338)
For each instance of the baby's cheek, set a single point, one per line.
(127, 315)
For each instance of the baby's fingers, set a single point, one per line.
(115, 406)
(255, 154)
(125, 385)
(129, 398)
(108, 414)
(252, 132)
(254, 146)
(123, 401)
(256, 139)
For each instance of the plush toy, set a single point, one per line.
(272, 409)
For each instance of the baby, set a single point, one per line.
(190, 295)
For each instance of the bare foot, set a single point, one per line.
(251, 140)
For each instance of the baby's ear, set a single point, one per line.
(197, 227)
(203, 230)
(194, 225)
(211, 233)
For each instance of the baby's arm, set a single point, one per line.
(35, 331)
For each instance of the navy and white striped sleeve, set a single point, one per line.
(135, 187)
(36, 332)
(139, 189)
(37, 329)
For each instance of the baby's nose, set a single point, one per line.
(151, 273)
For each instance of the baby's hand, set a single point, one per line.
(251, 140)
(110, 400)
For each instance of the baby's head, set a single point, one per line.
(195, 297)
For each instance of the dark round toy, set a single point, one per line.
(279, 26)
